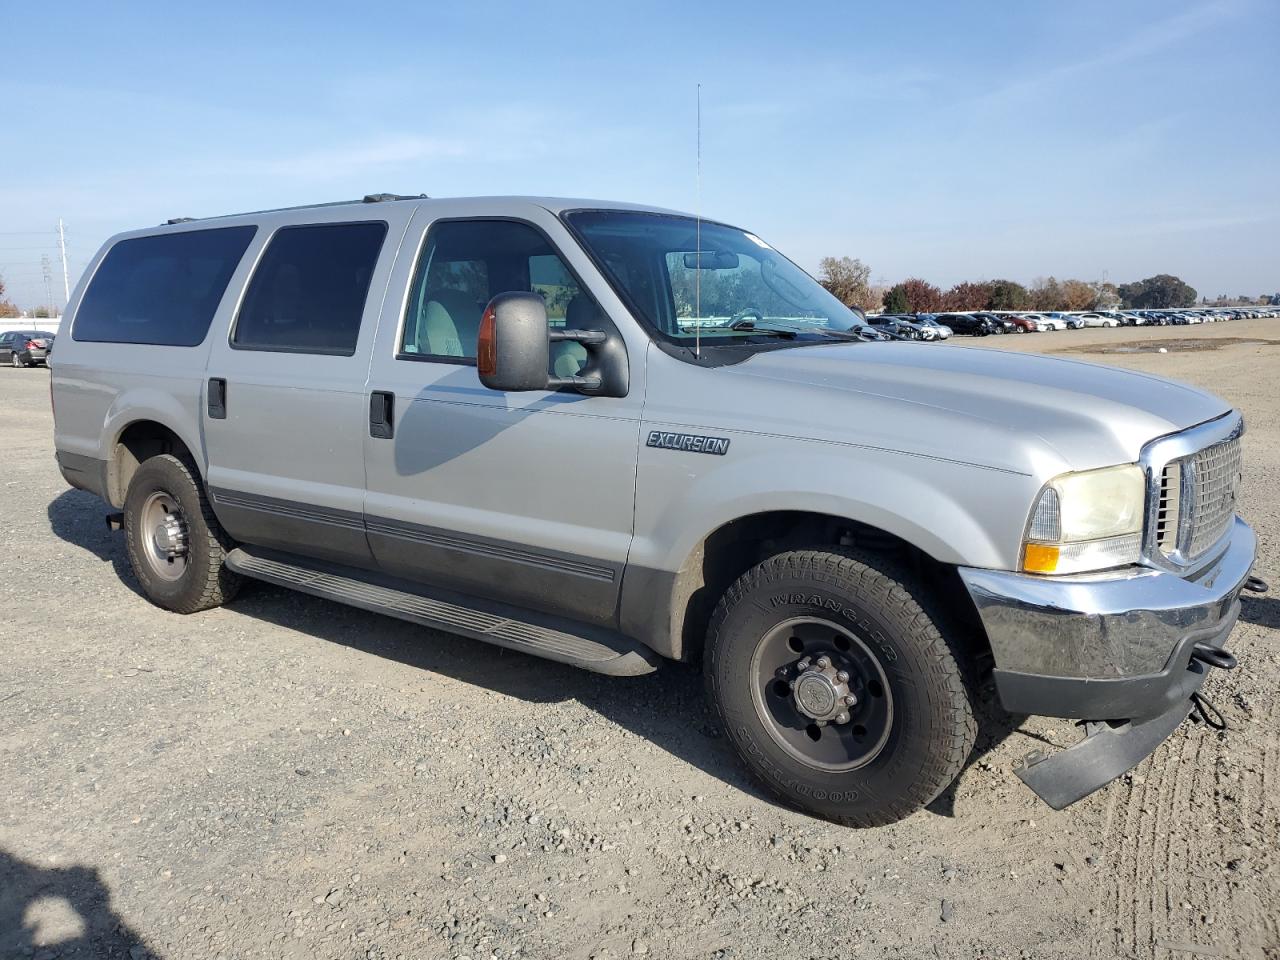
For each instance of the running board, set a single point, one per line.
(597, 650)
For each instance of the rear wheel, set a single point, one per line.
(16, 360)
(175, 543)
(837, 688)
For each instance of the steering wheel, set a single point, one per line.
(740, 320)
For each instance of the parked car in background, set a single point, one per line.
(23, 348)
(1097, 320)
(905, 327)
(1024, 323)
(1002, 324)
(969, 324)
(929, 320)
(1070, 320)
(1046, 322)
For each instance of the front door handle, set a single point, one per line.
(382, 411)
(217, 398)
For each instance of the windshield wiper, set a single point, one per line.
(856, 334)
(749, 326)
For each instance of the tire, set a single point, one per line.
(15, 359)
(163, 486)
(896, 748)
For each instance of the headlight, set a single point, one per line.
(1083, 521)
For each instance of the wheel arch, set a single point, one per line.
(670, 610)
(136, 441)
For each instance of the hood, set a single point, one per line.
(1012, 411)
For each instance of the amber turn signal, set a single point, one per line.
(486, 344)
(1040, 558)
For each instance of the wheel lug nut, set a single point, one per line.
(823, 663)
(791, 684)
(849, 700)
(803, 664)
(843, 676)
(842, 718)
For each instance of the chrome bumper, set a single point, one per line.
(1108, 645)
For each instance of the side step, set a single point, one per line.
(597, 650)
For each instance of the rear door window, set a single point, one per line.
(308, 292)
(161, 289)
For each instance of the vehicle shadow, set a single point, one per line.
(1264, 611)
(77, 518)
(667, 707)
(60, 911)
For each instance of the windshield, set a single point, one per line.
(714, 283)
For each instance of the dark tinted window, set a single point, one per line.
(466, 263)
(162, 289)
(308, 292)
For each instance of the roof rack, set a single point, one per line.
(368, 198)
(385, 197)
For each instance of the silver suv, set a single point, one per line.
(608, 435)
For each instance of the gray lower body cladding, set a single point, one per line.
(84, 473)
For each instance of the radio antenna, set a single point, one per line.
(697, 273)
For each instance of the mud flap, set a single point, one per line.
(1062, 778)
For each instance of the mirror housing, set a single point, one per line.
(513, 350)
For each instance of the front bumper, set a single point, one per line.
(1112, 646)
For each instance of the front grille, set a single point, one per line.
(1197, 500)
(1216, 483)
(1167, 513)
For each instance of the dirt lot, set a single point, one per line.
(287, 777)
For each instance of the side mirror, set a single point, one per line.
(513, 350)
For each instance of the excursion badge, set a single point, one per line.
(690, 442)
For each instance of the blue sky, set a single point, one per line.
(945, 140)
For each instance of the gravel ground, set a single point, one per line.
(287, 777)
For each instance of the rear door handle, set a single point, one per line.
(382, 411)
(217, 398)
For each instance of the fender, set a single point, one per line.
(181, 415)
(956, 513)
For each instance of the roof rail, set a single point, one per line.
(179, 220)
(385, 197)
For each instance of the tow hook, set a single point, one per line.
(1256, 585)
(1202, 711)
(1213, 656)
(115, 521)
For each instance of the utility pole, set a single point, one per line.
(66, 279)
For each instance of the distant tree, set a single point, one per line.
(1007, 295)
(1158, 292)
(895, 299)
(7, 309)
(848, 280)
(1106, 296)
(1077, 295)
(1046, 294)
(922, 296)
(967, 296)
(42, 313)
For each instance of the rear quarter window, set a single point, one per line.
(162, 289)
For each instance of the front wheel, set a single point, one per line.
(175, 544)
(837, 688)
